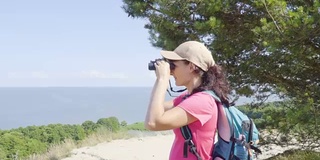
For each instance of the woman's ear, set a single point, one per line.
(192, 67)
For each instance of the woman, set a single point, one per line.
(195, 69)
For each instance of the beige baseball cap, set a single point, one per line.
(192, 51)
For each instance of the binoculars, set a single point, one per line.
(152, 63)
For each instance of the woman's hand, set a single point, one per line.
(162, 69)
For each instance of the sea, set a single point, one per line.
(36, 106)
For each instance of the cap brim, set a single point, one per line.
(171, 55)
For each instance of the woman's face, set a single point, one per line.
(181, 72)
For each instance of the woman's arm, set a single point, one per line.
(159, 115)
(168, 105)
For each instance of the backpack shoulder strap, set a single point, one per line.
(187, 135)
(226, 110)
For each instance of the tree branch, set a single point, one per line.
(274, 21)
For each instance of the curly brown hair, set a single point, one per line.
(214, 79)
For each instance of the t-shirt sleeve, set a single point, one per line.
(200, 105)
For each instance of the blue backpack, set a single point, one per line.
(243, 140)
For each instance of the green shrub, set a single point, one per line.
(111, 123)
(136, 126)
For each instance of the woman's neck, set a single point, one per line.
(194, 83)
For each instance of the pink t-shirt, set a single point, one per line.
(203, 107)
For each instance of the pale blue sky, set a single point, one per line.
(72, 43)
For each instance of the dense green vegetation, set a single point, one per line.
(22, 142)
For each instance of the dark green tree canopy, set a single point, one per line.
(267, 46)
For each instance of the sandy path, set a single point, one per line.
(142, 148)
